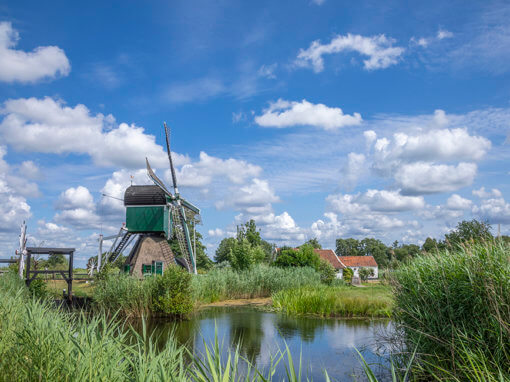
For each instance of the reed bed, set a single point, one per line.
(336, 301)
(454, 308)
(259, 281)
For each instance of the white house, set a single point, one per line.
(353, 262)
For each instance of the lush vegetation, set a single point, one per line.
(169, 294)
(260, 280)
(453, 307)
(336, 301)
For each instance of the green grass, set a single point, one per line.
(454, 308)
(335, 301)
(259, 281)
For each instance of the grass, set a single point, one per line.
(80, 288)
(259, 281)
(454, 308)
(335, 301)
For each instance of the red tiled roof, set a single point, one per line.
(330, 256)
(358, 261)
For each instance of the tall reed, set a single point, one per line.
(454, 308)
(259, 281)
(327, 301)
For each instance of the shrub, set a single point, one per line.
(171, 293)
(38, 289)
(327, 272)
(347, 275)
(365, 273)
(305, 256)
(454, 308)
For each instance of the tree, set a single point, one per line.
(249, 231)
(241, 255)
(430, 245)
(223, 250)
(375, 248)
(327, 271)
(469, 231)
(54, 260)
(305, 256)
(347, 247)
(365, 273)
(203, 261)
(314, 243)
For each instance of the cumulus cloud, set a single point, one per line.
(49, 126)
(209, 168)
(380, 50)
(374, 201)
(19, 66)
(253, 198)
(284, 113)
(492, 207)
(77, 208)
(457, 202)
(354, 168)
(425, 178)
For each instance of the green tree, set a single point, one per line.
(467, 231)
(249, 232)
(241, 255)
(430, 245)
(223, 250)
(305, 256)
(347, 247)
(375, 248)
(327, 271)
(365, 273)
(314, 243)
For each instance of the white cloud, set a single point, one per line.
(380, 51)
(217, 232)
(425, 178)
(79, 197)
(210, 168)
(433, 145)
(286, 113)
(48, 126)
(268, 71)
(115, 187)
(443, 33)
(254, 198)
(493, 206)
(26, 67)
(354, 169)
(481, 193)
(370, 137)
(374, 201)
(77, 208)
(29, 170)
(457, 202)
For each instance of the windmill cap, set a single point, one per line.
(144, 196)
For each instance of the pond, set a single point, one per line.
(323, 343)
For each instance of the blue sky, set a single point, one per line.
(316, 118)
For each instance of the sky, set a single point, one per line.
(315, 118)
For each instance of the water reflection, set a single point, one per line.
(323, 343)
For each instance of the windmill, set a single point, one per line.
(155, 216)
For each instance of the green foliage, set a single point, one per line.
(259, 281)
(241, 255)
(327, 272)
(430, 245)
(224, 249)
(347, 275)
(454, 307)
(469, 231)
(37, 289)
(171, 292)
(339, 301)
(314, 242)
(305, 256)
(375, 248)
(55, 260)
(365, 273)
(347, 247)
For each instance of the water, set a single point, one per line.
(323, 343)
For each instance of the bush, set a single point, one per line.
(38, 289)
(171, 293)
(305, 256)
(365, 273)
(347, 275)
(454, 308)
(327, 272)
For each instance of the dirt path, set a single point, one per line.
(240, 302)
